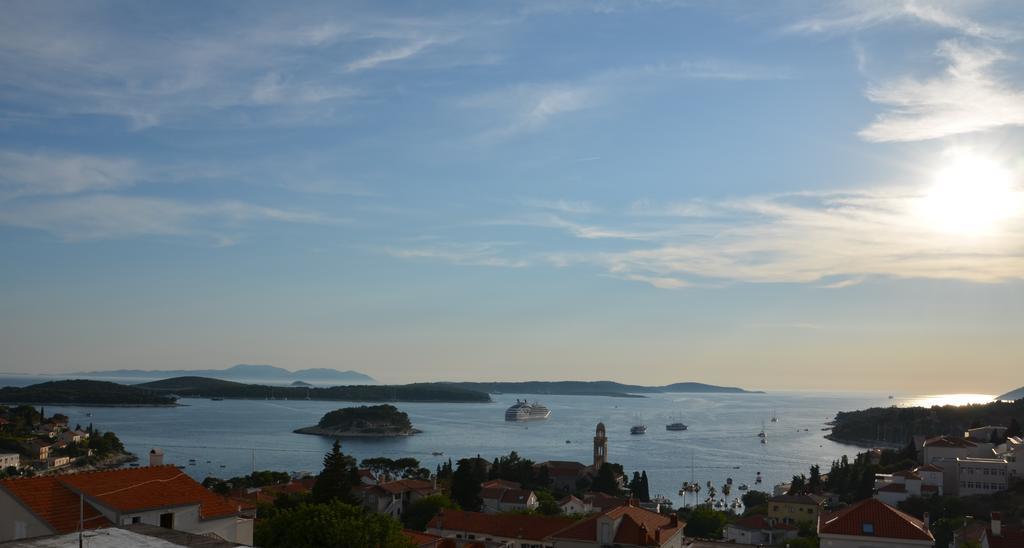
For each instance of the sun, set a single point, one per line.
(970, 196)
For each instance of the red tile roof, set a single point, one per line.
(45, 497)
(806, 499)
(401, 486)
(425, 540)
(516, 496)
(499, 525)
(501, 483)
(138, 489)
(949, 441)
(1011, 536)
(886, 522)
(893, 488)
(909, 474)
(636, 526)
(928, 468)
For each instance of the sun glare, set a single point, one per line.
(970, 195)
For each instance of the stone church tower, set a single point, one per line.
(600, 447)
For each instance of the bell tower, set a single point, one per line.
(600, 447)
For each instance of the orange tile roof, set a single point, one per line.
(138, 489)
(401, 486)
(423, 540)
(949, 441)
(637, 526)
(501, 483)
(49, 501)
(1011, 536)
(928, 468)
(893, 488)
(499, 525)
(887, 522)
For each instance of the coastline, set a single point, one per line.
(331, 433)
(866, 443)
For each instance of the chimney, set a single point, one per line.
(156, 457)
(673, 520)
(997, 524)
(926, 518)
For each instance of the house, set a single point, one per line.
(1013, 452)
(426, 540)
(1000, 535)
(564, 474)
(497, 530)
(571, 505)
(506, 496)
(984, 434)
(624, 526)
(9, 460)
(977, 476)
(40, 448)
(366, 477)
(161, 495)
(394, 497)
(57, 462)
(759, 530)
(795, 508)
(872, 523)
(899, 486)
(943, 451)
(73, 436)
(134, 536)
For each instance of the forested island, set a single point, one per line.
(83, 392)
(595, 388)
(364, 421)
(898, 425)
(204, 387)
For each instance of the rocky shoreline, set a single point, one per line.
(336, 433)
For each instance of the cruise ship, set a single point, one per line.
(526, 411)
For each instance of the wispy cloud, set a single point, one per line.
(47, 173)
(390, 55)
(832, 240)
(855, 15)
(106, 216)
(469, 254)
(968, 97)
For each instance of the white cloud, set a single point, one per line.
(106, 216)
(854, 15)
(480, 254)
(968, 97)
(390, 55)
(26, 174)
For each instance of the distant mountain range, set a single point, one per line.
(242, 372)
(596, 388)
(1012, 396)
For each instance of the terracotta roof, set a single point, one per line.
(138, 489)
(761, 523)
(45, 497)
(1011, 536)
(602, 501)
(636, 526)
(928, 468)
(423, 540)
(401, 486)
(499, 525)
(501, 483)
(909, 474)
(569, 498)
(949, 441)
(516, 496)
(884, 520)
(808, 499)
(893, 488)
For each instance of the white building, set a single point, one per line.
(983, 434)
(981, 476)
(759, 530)
(163, 496)
(1013, 453)
(8, 460)
(923, 481)
(943, 451)
(873, 524)
(506, 496)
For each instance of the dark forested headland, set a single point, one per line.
(898, 425)
(595, 388)
(204, 387)
(369, 421)
(83, 392)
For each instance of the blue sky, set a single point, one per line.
(775, 195)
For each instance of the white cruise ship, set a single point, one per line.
(526, 411)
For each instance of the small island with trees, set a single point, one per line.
(364, 421)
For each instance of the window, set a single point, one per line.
(167, 520)
(136, 519)
(868, 528)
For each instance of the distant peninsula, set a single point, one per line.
(376, 421)
(595, 388)
(242, 373)
(1013, 395)
(897, 426)
(83, 392)
(204, 387)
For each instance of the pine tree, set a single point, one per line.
(338, 477)
(1014, 429)
(645, 487)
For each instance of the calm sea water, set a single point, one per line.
(721, 441)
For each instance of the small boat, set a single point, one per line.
(676, 426)
(743, 487)
(728, 481)
(568, 441)
(764, 441)
(638, 429)
(437, 453)
(757, 480)
(134, 465)
(217, 399)
(180, 467)
(775, 417)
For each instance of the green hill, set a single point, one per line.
(204, 387)
(83, 392)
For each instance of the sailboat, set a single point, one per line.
(763, 435)
(639, 427)
(775, 417)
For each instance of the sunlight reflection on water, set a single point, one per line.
(946, 399)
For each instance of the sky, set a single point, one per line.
(774, 195)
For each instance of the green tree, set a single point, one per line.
(645, 487)
(546, 503)
(803, 542)
(606, 481)
(1013, 430)
(798, 485)
(705, 522)
(419, 513)
(336, 480)
(335, 524)
(814, 481)
(466, 482)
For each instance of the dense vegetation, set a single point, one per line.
(373, 419)
(260, 478)
(898, 425)
(204, 387)
(330, 524)
(83, 392)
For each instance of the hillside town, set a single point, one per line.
(33, 443)
(931, 493)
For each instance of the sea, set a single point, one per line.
(233, 437)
